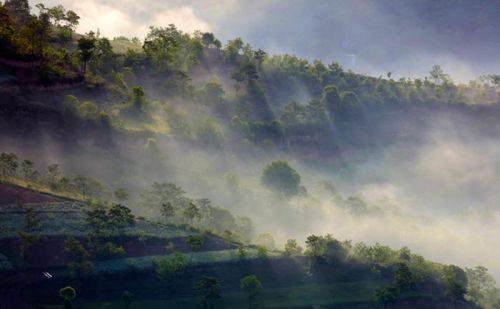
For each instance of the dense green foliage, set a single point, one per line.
(170, 266)
(208, 289)
(80, 264)
(187, 90)
(170, 201)
(68, 294)
(282, 178)
(262, 107)
(106, 217)
(253, 287)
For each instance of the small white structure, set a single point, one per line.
(47, 275)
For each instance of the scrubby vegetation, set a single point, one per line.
(168, 150)
(103, 251)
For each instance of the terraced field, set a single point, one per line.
(68, 218)
(288, 281)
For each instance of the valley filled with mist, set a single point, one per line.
(251, 150)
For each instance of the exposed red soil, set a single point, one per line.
(10, 194)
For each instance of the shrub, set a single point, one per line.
(5, 263)
(110, 250)
(169, 266)
(281, 178)
(261, 251)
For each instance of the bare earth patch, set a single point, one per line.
(11, 194)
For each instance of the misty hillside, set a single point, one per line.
(133, 262)
(181, 170)
(405, 37)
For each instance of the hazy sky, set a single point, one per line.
(405, 37)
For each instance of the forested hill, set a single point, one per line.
(82, 99)
(271, 148)
(243, 93)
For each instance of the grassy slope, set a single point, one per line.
(287, 297)
(119, 45)
(68, 218)
(39, 188)
(295, 293)
(56, 220)
(63, 213)
(195, 258)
